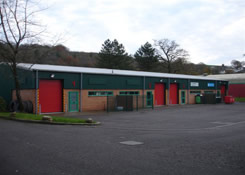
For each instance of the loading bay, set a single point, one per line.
(175, 140)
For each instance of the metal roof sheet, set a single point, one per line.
(240, 76)
(73, 69)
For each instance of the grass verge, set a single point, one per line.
(242, 99)
(25, 116)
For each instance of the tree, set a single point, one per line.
(179, 66)
(170, 51)
(146, 57)
(16, 28)
(113, 56)
(237, 65)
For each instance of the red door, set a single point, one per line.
(159, 94)
(50, 96)
(173, 94)
(223, 92)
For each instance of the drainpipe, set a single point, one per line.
(144, 97)
(36, 91)
(81, 87)
(188, 91)
(168, 91)
(216, 87)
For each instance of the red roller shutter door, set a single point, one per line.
(173, 94)
(50, 96)
(159, 94)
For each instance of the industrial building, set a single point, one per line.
(53, 88)
(236, 83)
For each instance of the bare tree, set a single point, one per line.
(17, 27)
(237, 65)
(169, 52)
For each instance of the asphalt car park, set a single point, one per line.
(188, 139)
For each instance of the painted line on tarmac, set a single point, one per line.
(228, 124)
(187, 129)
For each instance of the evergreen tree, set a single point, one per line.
(113, 56)
(146, 57)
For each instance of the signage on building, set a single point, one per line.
(210, 84)
(194, 84)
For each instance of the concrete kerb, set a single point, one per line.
(50, 123)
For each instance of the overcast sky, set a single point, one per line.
(212, 31)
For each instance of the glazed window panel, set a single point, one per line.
(129, 93)
(195, 92)
(208, 92)
(100, 93)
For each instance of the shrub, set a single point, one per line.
(3, 105)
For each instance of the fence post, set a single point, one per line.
(107, 103)
(152, 101)
(137, 102)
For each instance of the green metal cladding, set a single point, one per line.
(182, 83)
(150, 82)
(70, 80)
(92, 81)
(203, 84)
(7, 81)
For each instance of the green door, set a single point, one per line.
(182, 97)
(73, 101)
(149, 99)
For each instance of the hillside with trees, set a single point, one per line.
(113, 55)
(57, 55)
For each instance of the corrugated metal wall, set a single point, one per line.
(237, 90)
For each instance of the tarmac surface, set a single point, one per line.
(174, 140)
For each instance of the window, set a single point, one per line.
(100, 93)
(129, 93)
(195, 92)
(182, 97)
(208, 92)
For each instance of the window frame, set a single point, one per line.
(195, 92)
(134, 93)
(208, 92)
(100, 93)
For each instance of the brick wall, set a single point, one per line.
(192, 96)
(97, 103)
(93, 103)
(27, 95)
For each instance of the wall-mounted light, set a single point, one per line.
(175, 81)
(52, 76)
(161, 80)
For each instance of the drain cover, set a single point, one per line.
(131, 143)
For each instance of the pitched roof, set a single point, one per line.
(240, 76)
(73, 69)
